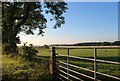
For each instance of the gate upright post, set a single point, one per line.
(68, 60)
(53, 62)
(95, 65)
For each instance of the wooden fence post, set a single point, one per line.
(53, 62)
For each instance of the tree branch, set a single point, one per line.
(19, 17)
(25, 17)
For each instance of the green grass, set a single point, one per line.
(82, 52)
(90, 52)
(43, 52)
(16, 68)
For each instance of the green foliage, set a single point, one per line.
(116, 43)
(17, 69)
(106, 44)
(29, 16)
(46, 46)
(0, 34)
(28, 52)
(5, 48)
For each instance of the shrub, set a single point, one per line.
(28, 52)
(5, 48)
(46, 46)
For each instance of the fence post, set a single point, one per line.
(68, 65)
(95, 65)
(53, 62)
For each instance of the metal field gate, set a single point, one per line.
(67, 71)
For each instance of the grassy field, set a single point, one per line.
(16, 68)
(103, 54)
(83, 52)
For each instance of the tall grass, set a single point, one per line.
(16, 68)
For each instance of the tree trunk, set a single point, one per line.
(4, 37)
(13, 29)
(11, 21)
(12, 42)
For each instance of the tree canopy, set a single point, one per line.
(29, 16)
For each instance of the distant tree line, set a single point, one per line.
(98, 43)
(91, 44)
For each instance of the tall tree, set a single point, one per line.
(27, 17)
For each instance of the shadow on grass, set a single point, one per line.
(112, 58)
(27, 70)
(43, 58)
(109, 58)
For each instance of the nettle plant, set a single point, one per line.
(29, 52)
